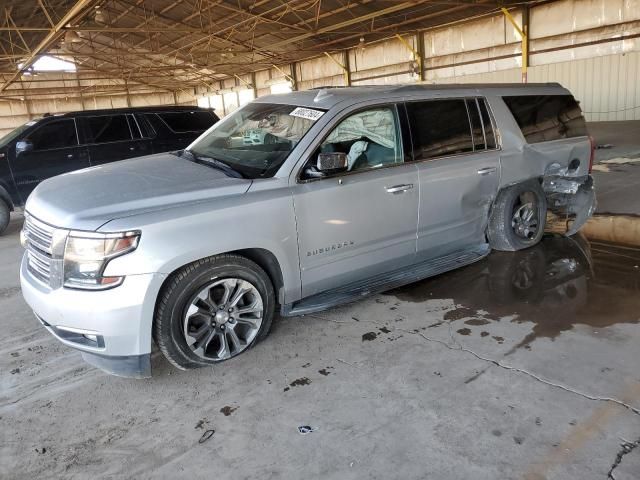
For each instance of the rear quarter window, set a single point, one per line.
(188, 121)
(543, 118)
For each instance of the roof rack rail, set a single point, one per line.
(326, 87)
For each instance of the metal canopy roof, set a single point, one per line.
(172, 44)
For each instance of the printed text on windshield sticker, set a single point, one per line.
(307, 113)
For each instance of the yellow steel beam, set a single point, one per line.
(523, 37)
(286, 75)
(416, 56)
(75, 13)
(246, 84)
(345, 70)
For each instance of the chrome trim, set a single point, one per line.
(44, 245)
(487, 170)
(399, 188)
(77, 330)
(105, 236)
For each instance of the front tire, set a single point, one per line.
(212, 310)
(5, 215)
(518, 217)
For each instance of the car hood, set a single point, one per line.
(88, 198)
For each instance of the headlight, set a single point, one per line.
(86, 256)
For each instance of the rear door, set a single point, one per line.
(55, 150)
(114, 137)
(458, 168)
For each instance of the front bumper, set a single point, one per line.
(112, 327)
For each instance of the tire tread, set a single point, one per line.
(170, 351)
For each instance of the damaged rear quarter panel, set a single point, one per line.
(565, 178)
(561, 165)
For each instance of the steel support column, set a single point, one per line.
(523, 32)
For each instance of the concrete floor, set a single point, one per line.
(522, 366)
(617, 170)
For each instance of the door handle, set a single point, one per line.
(487, 170)
(132, 148)
(399, 188)
(70, 155)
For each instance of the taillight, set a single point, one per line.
(592, 157)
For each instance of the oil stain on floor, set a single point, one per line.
(560, 283)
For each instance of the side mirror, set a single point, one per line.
(23, 146)
(331, 162)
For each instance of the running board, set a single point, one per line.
(386, 281)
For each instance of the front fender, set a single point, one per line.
(173, 238)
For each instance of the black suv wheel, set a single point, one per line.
(5, 215)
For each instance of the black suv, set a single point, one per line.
(56, 144)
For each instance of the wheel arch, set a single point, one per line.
(260, 256)
(521, 181)
(269, 263)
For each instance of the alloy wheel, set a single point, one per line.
(223, 319)
(524, 221)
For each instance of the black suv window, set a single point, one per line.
(547, 117)
(145, 126)
(54, 134)
(439, 128)
(188, 121)
(133, 127)
(108, 128)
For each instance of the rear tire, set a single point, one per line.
(212, 310)
(5, 215)
(518, 217)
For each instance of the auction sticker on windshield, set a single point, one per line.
(307, 113)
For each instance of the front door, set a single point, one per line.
(458, 166)
(53, 149)
(362, 222)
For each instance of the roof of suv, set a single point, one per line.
(330, 96)
(157, 108)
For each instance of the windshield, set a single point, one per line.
(13, 134)
(257, 139)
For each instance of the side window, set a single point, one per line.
(369, 138)
(133, 126)
(439, 128)
(181, 122)
(543, 118)
(55, 134)
(108, 128)
(489, 134)
(145, 126)
(476, 125)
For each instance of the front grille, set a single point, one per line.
(41, 255)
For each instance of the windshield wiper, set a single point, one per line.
(212, 162)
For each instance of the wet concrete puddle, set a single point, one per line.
(555, 285)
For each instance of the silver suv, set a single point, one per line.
(300, 201)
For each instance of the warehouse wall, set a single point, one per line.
(596, 54)
(590, 46)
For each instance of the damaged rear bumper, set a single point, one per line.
(571, 199)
